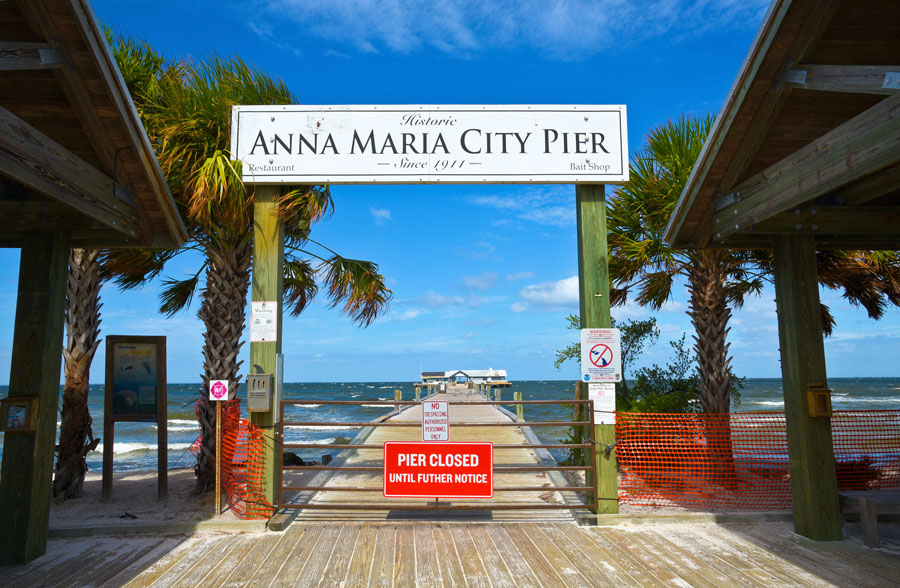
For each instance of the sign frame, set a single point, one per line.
(111, 417)
(428, 446)
(429, 144)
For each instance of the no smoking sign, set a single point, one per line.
(601, 355)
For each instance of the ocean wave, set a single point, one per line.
(766, 402)
(127, 448)
(320, 427)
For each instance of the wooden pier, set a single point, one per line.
(386, 554)
(347, 491)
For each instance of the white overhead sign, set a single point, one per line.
(431, 144)
(435, 420)
(601, 355)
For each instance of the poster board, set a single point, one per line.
(135, 391)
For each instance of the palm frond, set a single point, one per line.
(300, 285)
(130, 268)
(358, 285)
(177, 294)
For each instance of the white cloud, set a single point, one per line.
(485, 281)
(381, 215)
(561, 29)
(544, 206)
(519, 276)
(548, 295)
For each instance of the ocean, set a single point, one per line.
(135, 446)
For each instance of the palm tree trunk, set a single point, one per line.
(76, 438)
(710, 314)
(223, 313)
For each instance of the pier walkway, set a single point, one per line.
(445, 555)
(361, 488)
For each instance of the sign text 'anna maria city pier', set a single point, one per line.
(431, 144)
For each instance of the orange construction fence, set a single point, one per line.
(243, 472)
(740, 461)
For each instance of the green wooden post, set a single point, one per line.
(268, 268)
(520, 409)
(582, 433)
(817, 513)
(593, 279)
(34, 372)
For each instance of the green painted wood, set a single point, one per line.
(268, 284)
(817, 513)
(593, 279)
(36, 360)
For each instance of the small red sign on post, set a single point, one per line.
(438, 470)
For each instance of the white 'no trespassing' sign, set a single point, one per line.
(431, 144)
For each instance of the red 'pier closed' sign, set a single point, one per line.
(445, 470)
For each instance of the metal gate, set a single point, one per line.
(326, 482)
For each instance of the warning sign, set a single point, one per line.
(218, 390)
(435, 420)
(601, 355)
(438, 470)
(263, 321)
(604, 397)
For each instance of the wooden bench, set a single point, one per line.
(870, 504)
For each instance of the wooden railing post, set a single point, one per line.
(398, 396)
(520, 410)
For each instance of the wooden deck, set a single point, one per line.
(393, 508)
(551, 554)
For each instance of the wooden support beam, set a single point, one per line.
(875, 221)
(863, 145)
(593, 295)
(860, 79)
(267, 285)
(35, 160)
(34, 373)
(772, 102)
(871, 187)
(25, 56)
(817, 513)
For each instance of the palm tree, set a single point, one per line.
(191, 128)
(717, 280)
(142, 69)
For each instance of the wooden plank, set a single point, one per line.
(362, 557)
(34, 373)
(280, 565)
(568, 539)
(861, 146)
(267, 285)
(381, 574)
(608, 562)
(65, 556)
(428, 571)
(452, 574)
(593, 298)
(162, 551)
(863, 79)
(232, 550)
(24, 56)
(494, 561)
(339, 564)
(318, 559)
(120, 556)
(543, 569)
(405, 557)
(872, 186)
(469, 558)
(557, 558)
(171, 567)
(35, 160)
(817, 513)
(865, 221)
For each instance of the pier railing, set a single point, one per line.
(546, 465)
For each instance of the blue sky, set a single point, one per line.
(483, 276)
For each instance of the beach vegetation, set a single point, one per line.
(185, 105)
(644, 266)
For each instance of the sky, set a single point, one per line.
(482, 276)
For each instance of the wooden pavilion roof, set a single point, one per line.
(808, 140)
(73, 153)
